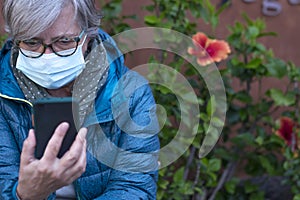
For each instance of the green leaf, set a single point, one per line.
(150, 8)
(211, 106)
(178, 176)
(267, 34)
(257, 196)
(190, 97)
(276, 68)
(243, 96)
(230, 186)
(250, 187)
(163, 184)
(232, 117)
(217, 122)
(259, 140)
(199, 190)
(163, 90)
(214, 164)
(296, 197)
(243, 114)
(151, 20)
(253, 31)
(244, 139)
(253, 64)
(274, 139)
(282, 99)
(266, 164)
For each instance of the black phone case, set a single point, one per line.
(48, 114)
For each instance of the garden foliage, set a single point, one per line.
(255, 142)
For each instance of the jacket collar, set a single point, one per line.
(8, 84)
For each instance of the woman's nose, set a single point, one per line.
(48, 50)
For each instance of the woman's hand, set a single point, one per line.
(39, 178)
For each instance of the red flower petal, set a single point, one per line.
(192, 51)
(200, 39)
(286, 129)
(205, 60)
(208, 51)
(218, 50)
(203, 57)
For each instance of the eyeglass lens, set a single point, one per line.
(62, 47)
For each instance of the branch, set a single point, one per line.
(197, 174)
(202, 197)
(189, 162)
(195, 196)
(224, 178)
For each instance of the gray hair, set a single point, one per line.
(25, 19)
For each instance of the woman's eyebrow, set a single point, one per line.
(34, 38)
(64, 35)
(70, 35)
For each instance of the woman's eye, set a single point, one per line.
(31, 42)
(65, 40)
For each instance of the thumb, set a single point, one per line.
(27, 155)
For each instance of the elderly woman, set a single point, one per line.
(56, 50)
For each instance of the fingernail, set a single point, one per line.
(64, 125)
(31, 133)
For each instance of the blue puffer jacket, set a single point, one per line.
(99, 180)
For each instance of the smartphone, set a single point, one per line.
(48, 113)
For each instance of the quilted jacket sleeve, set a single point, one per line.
(134, 175)
(9, 159)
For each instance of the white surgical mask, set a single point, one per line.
(50, 70)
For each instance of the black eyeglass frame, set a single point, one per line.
(77, 40)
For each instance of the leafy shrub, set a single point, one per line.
(251, 146)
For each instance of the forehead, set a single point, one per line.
(65, 24)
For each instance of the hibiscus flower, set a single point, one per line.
(208, 50)
(287, 131)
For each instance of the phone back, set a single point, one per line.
(48, 114)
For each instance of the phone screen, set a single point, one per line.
(48, 113)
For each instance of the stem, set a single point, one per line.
(259, 87)
(197, 174)
(294, 133)
(177, 13)
(157, 12)
(198, 170)
(296, 88)
(225, 176)
(202, 197)
(189, 162)
(245, 58)
(248, 85)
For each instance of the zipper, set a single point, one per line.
(16, 99)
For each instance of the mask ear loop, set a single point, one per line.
(84, 38)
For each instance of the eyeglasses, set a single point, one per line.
(64, 46)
